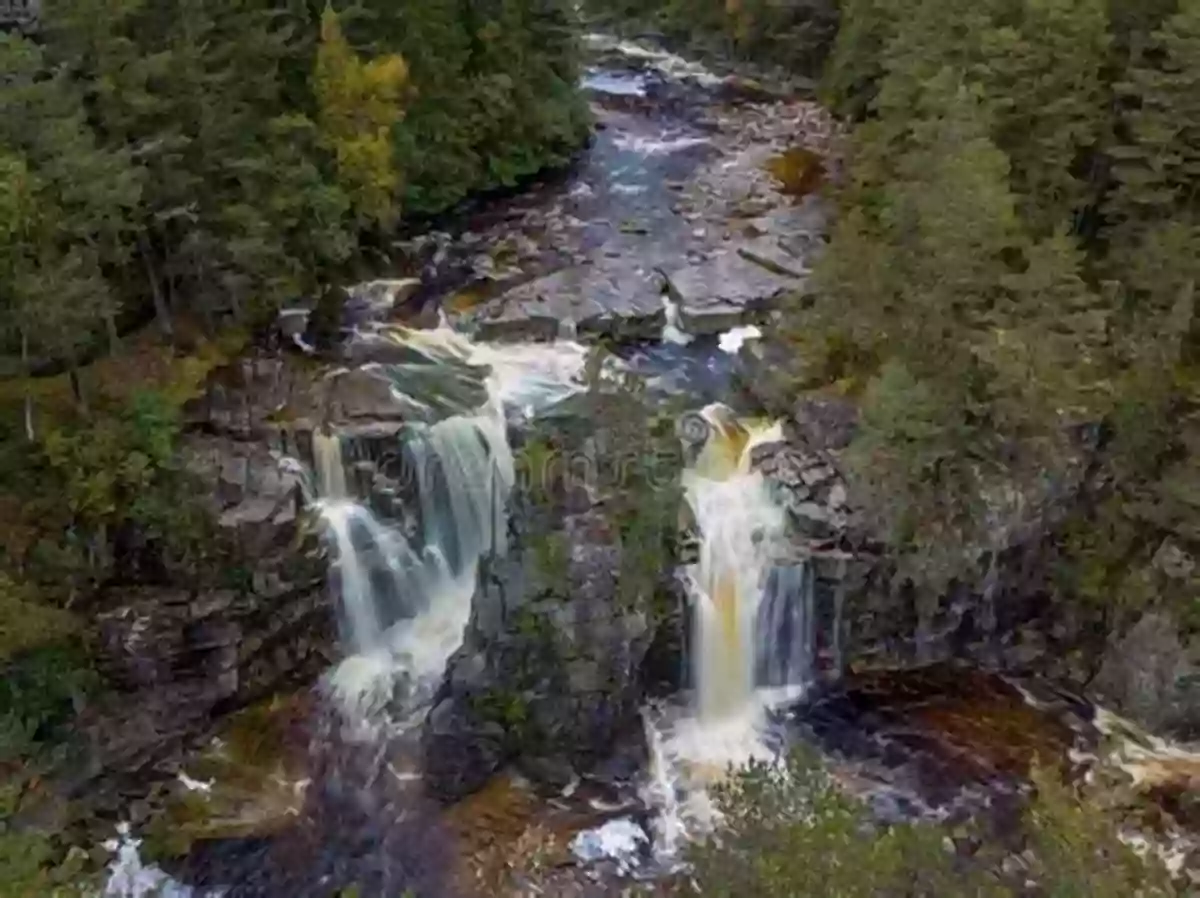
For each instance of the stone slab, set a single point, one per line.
(726, 291)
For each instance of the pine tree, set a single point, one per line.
(1157, 164)
(74, 201)
(1044, 77)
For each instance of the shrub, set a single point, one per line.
(791, 832)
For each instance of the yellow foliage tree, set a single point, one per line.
(358, 105)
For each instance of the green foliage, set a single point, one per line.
(1013, 265)
(213, 160)
(793, 832)
(493, 96)
(39, 695)
(87, 484)
(204, 162)
(1075, 851)
(358, 106)
(30, 867)
(639, 463)
(27, 624)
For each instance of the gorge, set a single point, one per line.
(544, 554)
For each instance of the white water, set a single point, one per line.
(741, 528)
(129, 877)
(406, 598)
(657, 146)
(752, 629)
(327, 460)
(669, 64)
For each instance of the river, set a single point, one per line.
(677, 237)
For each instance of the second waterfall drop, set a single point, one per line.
(740, 527)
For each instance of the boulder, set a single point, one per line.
(726, 291)
(379, 298)
(1150, 674)
(613, 297)
(553, 666)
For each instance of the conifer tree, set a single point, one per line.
(1157, 165)
(70, 207)
(1044, 78)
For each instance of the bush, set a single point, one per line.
(791, 833)
(101, 498)
(39, 694)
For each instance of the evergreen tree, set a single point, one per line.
(1044, 77)
(1157, 165)
(69, 211)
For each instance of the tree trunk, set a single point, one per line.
(77, 388)
(29, 432)
(114, 338)
(162, 314)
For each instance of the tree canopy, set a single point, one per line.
(1011, 282)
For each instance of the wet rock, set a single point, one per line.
(1149, 674)
(551, 670)
(276, 402)
(726, 291)
(816, 521)
(771, 255)
(941, 732)
(361, 394)
(613, 297)
(380, 298)
(238, 472)
(292, 322)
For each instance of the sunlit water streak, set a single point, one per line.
(752, 625)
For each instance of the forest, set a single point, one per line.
(1007, 295)
(174, 174)
(1011, 284)
(1009, 292)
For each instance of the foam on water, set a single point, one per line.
(405, 598)
(129, 877)
(670, 64)
(739, 622)
(657, 146)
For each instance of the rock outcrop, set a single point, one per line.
(181, 660)
(257, 617)
(868, 614)
(554, 665)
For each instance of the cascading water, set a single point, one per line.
(406, 596)
(329, 467)
(752, 625)
(741, 527)
(785, 627)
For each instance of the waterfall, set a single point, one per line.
(785, 626)
(328, 465)
(745, 608)
(405, 597)
(753, 623)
